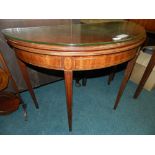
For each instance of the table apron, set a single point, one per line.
(75, 62)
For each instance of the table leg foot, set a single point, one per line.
(27, 81)
(68, 84)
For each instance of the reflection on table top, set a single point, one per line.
(78, 34)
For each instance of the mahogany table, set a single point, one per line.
(76, 47)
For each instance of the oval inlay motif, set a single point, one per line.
(67, 63)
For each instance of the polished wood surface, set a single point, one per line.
(78, 62)
(68, 84)
(148, 24)
(8, 103)
(3, 80)
(146, 75)
(76, 58)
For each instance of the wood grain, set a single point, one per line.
(148, 24)
(8, 103)
(4, 79)
(68, 83)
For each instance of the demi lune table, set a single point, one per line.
(76, 47)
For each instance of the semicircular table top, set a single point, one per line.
(78, 34)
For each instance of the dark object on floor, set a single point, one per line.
(9, 102)
(83, 77)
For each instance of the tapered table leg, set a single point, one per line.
(27, 81)
(146, 74)
(68, 83)
(128, 71)
(111, 75)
